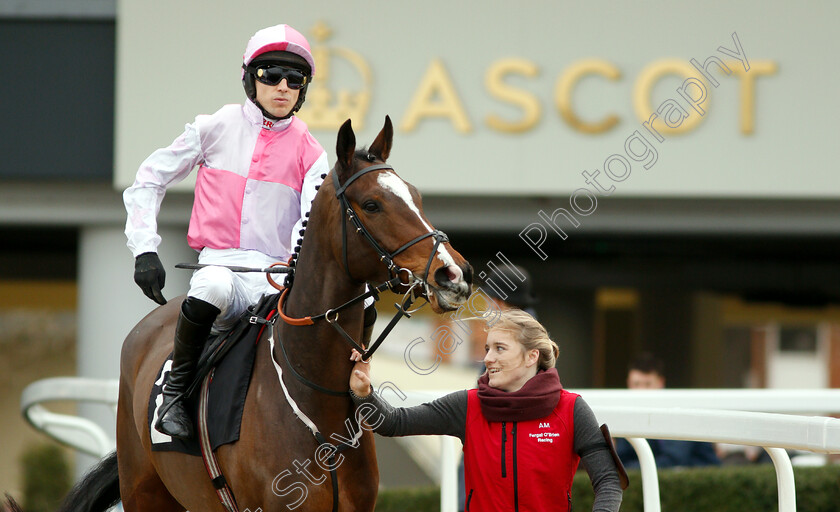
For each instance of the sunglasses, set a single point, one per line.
(272, 74)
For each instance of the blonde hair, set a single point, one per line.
(529, 333)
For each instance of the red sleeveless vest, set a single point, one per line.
(520, 466)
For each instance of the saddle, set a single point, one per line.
(228, 358)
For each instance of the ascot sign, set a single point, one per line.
(436, 96)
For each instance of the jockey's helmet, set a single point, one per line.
(280, 45)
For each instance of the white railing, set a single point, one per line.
(774, 432)
(724, 416)
(793, 401)
(79, 433)
(662, 414)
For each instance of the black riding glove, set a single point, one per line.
(150, 276)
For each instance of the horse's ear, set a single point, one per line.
(345, 147)
(381, 147)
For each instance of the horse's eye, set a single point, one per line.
(371, 206)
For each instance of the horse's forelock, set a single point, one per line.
(364, 154)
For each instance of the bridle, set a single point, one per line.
(387, 258)
(384, 256)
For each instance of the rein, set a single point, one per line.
(331, 315)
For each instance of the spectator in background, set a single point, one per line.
(647, 372)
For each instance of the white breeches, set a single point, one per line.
(231, 292)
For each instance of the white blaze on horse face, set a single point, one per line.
(397, 186)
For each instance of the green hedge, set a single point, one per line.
(720, 489)
(46, 477)
(725, 489)
(404, 500)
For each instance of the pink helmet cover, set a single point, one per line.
(278, 38)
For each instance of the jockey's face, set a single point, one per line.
(278, 100)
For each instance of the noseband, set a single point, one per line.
(387, 258)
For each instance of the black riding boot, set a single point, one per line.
(194, 325)
(370, 320)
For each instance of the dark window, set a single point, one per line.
(798, 339)
(56, 100)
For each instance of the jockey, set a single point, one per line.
(258, 168)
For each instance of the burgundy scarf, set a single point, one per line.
(536, 399)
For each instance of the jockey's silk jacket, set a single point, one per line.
(256, 178)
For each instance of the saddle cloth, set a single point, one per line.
(231, 366)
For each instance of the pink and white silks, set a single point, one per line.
(256, 178)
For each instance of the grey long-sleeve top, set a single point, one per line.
(448, 416)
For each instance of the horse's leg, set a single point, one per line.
(156, 481)
(141, 488)
(183, 478)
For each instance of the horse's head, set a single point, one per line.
(390, 225)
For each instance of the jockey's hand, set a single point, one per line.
(150, 276)
(360, 376)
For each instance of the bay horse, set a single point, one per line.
(337, 257)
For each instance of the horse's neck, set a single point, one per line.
(321, 284)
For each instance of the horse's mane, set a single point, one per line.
(362, 154)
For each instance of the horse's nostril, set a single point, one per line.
(448, 275)
(453, 273)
